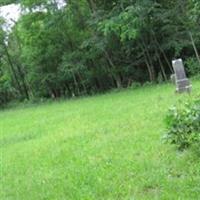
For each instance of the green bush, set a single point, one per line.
(135, 85)
(183, 124)
(192, 66)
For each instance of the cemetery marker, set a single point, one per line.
(181, 81)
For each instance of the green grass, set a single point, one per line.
(106, 147)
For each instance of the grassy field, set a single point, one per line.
(106, 147)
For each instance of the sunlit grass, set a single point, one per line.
(103, 147)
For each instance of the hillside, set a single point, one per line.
(103, 147)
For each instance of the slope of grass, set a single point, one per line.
(104, 147)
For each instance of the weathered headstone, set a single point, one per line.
(182, 82)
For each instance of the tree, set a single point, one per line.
(91, 46)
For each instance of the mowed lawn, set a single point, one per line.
(106, 147)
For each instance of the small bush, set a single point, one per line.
(135, 85)
(192, 66)
(183, 124)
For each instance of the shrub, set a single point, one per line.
(192, 66)
(135, 85)
(183, 124)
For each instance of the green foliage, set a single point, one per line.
(90, 46)
(125, 24)
(135, 85)
(6, 2)
(193, 66)
(183, 124)
(7, 92)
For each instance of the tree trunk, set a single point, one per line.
(24, 85)
(149, 67)
(194, 47)
(20, 72)
(148, 57)
(161, 65)
(81, 80)
(76, 83)
(115, 75)
(162, 51)
(13, 69)
(162, 68)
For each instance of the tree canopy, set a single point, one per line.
(90, 46)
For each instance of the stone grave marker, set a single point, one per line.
(181, 81)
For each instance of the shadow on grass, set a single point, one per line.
(4, 142)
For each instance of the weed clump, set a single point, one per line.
(183, 123)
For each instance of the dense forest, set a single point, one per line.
(88, 46)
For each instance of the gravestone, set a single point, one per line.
(182, 82)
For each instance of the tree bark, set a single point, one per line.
(164, 54)
(12, 69)
(161, 65)
(24, 85)
(194, 47)
(148, 63)
(115, 75)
